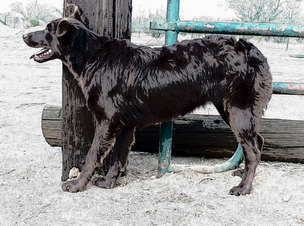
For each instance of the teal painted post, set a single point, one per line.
(165, 133)
(165, 148)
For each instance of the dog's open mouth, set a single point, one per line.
(43, 54)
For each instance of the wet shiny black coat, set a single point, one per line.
(148, 85)
(128, 86)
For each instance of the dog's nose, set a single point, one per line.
(24, 36)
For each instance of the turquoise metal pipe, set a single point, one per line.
(165, 148)
(296, 55)
(288, 88)
(165, 134)
(172, 27)
(165, 137)
(256, 29)
(231, 164)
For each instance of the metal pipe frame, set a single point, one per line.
(288, 88)
(165, 135)
(255, 29)
(172, 27)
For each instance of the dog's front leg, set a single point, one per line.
(119, 158)
(102, 142)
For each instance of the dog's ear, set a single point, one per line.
(74, 11)
(63, 27)
(66, 32)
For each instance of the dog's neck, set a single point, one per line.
(101, 52)
(76, 61)
(88, 55)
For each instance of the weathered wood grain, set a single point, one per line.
(107, 17)
(204, 135)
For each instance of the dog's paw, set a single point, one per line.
(74, 186)
(238, 173)
(103, 182)
(240, 190)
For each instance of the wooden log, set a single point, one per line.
(51, 125)
(204, 135)
(107, 17)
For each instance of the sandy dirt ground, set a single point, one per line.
(30, 170)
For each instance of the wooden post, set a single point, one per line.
(107, 17)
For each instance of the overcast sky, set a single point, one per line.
(189, 8)
(4, 5)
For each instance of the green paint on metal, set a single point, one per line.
(165, 147)
(165, 134)
(288, 88)
(231, 164)
(165, 137)
(296, 55)
(258, 29)
(172, 15)
(171, 37)
(172, 27)
(172, 10)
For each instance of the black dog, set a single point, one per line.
(128, 86)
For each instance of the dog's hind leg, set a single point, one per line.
(220, 109)
(119, 159)
(104, 139)
(245, 126)
(260, 142)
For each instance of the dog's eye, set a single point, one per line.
(48, 28)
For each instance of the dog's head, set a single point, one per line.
(56, 38)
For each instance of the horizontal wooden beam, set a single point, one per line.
(203, 135)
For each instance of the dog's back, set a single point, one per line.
(174, 80)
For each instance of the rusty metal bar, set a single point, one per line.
(256, 29)
(288, 88)
(164, 148)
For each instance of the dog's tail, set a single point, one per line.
(259, 71)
